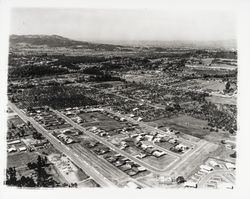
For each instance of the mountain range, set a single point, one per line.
(59, 41)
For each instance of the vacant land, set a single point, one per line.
(101, 121)
(185, 124)
(21, 159)
(222, 100)
(213, 85)
(161, 162)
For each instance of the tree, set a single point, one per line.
(233, 155)
(11, 176)
(26, 182)
(180, 179)
(227, 86)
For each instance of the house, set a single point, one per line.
(132, 185)
(141, 155)
(149, 137)
(135, 109)
(122, 119)
(92, 144)
(214, 164)
(138, 138)
(131, 172)
(66, 131)
(68, 140)
(141, 168)
(65, 138)
(103, 134)
(157, 139)
(144, 146)
(104, 150)
(181, 146)
(68, 113)
(23, 148)
(206, 167)
(172, 141)
(158, 153)
(139, 119)
(123, 147)
(204, 171)
(12, 149)
(125, 167)
(230, 166)
(190, 184)
(150, 150)
(119, 163)
(14, 142)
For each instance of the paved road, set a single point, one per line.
(107, 169)
(101, 180)
(187, 156)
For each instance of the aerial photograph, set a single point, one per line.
(107, 98)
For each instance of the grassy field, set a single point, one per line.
(100, 120)
(161, 162)
(165, 145)
(215, 85)
(222, 100)
(21, 159)
(185, 124)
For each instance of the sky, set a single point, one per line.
(114, 24)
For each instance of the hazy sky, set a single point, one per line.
(93, 24)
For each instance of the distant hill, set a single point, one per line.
(57, 41)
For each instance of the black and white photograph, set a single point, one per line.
(134, 98)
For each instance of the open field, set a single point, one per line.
(21, 159)
(101, 121)
(160, 162)
(185, 124)
(213, 85)
(222, 100)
